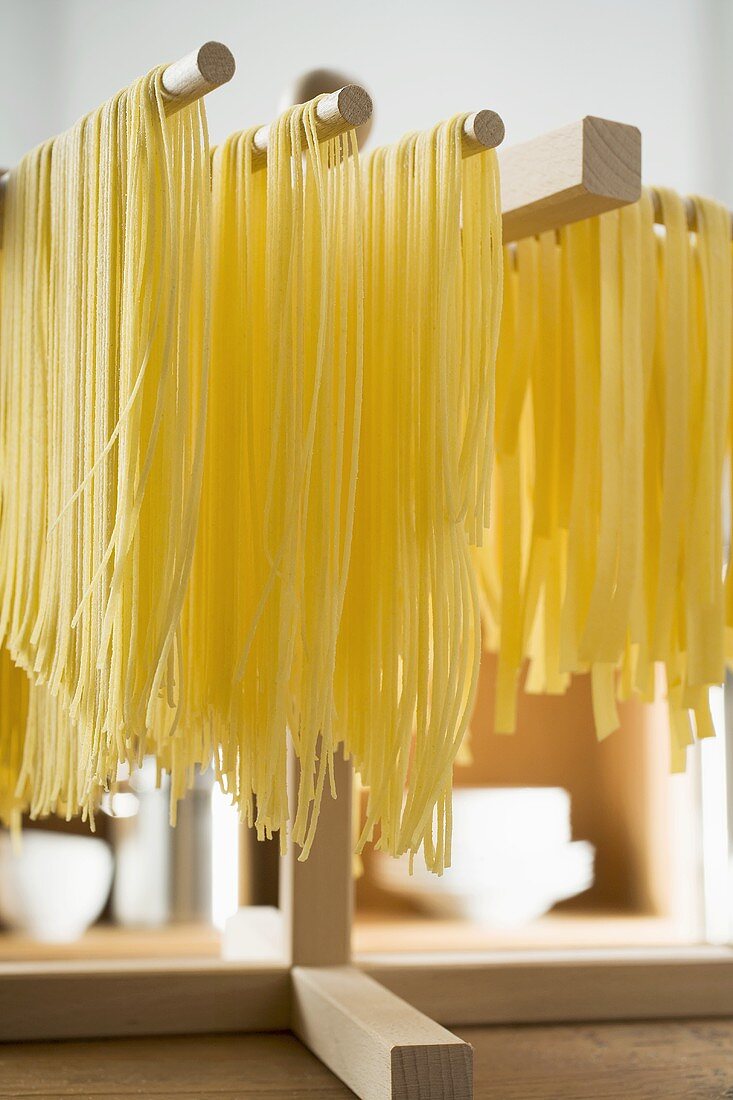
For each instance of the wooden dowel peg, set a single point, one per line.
(482, 130)
(187, 80)
(342, 110)
(196, 74)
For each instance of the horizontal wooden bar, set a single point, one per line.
(151, 997)
(540, 987)
(380, 1046)
(581, 170)
(79, 1000)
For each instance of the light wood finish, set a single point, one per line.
(386, 933)
(482, 130)
(91, 1000)
(185, 81)
(569, 174)
(197, 74)
(351, 106)
(110, 941)
(316, 895)
(540, 986)
(342, 110)
(257, 930)
(381, 1047)
(518, 987)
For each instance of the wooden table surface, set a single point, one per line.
(643, 1061)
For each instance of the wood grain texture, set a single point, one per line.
(317, 895)
(262, 1067)
(381, 1047)
(576, 172)
(482, 130)
(196, 74)
(87, 1000)
(676, 1060)
(540, 986)
(91, 1000)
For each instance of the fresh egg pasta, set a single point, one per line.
(409, 644)
(267, 588)
(605, 553)
(103, 366)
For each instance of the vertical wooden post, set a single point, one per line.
(317, 894)
(380, 1046)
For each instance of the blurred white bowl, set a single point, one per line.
(52, 885)
(512, 858)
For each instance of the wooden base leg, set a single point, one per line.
(378, 1045)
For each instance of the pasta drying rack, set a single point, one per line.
(371, 1024)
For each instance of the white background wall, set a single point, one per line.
(660, 64)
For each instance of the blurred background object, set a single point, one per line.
(53, 886)
(513, 859)
(315, 82)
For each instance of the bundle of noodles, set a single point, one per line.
(605, 553)
(103, 363)
(270, 566)
(409, 644)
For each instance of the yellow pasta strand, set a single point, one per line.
(624, 333)
(103, 364)
(408, 648)
(262, 618)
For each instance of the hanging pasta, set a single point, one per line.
(272, 556)
(613, 430)
(409, 643)
(103, 364)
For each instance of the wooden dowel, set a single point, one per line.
(196, 74)
(187, 80)
(336, 113)
(564, 176)
(482, 130)
(690, 212)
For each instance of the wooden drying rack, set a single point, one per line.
(291, 968)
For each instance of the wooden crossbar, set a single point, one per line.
(581, 170)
